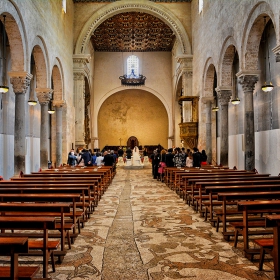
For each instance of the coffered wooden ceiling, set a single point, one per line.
(133, 31)
(164, 1)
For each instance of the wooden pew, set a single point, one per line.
(200, 186)
(13, 246)
(225, 197)
(247, 207)
(274, 221)
(219, 212)
(191, 184)
(88, 190)
(29, 223)
(95, 184)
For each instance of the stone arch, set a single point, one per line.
(209, 74)
(227, 57)
(40, 56)
(57, 79)
(253, 30)
(128, 6)
(17, 38)
(165, 103)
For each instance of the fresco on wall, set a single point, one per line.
(132, 112)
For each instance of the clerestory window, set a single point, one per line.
(132, 65)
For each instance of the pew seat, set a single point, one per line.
(266, 246)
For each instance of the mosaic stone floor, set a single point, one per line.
(142, 230)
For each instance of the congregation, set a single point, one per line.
(176, 157)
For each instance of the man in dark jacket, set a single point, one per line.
(196, 158)
(108, 159)
(169, 158)
(86, 156)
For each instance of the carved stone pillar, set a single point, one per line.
(248, 82)
(44, 96)
(80, 69)
(58, 104)
(20, 82)
(208, 101)
(224, 96)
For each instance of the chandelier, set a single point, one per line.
(132, 79)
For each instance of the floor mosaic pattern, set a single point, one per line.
(141, 230)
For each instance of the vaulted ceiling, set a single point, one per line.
(133, 31)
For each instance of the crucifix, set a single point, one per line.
(120, 141)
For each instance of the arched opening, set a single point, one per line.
(132, 112)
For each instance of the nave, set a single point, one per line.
(143, 230)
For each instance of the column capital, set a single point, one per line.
(81, 59)
(20, 81)
(248, 81)
(79, 75)
(186, 66)
(59, 103)
(44, 97)
(224, 95)
(276, 51)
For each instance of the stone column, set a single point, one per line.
(208, 101)
(44, 96)
(20, 82)
(80, 69)
(248, 82)
(224, 96)
(58, 109)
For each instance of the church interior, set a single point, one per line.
(99, 74)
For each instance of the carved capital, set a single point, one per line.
(79, 75)
(186, 66)
(20, 81)
(59, 103)
(44, 95)
(248, 82)
(224, 96)
(81, 59)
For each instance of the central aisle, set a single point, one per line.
(142, 230)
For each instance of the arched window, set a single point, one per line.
(132, 65)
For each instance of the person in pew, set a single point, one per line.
(169, 158)
(72, 158)
(108, 159)
(86, 156)
(189, 160)
(196, 158)
(93, 159)
(203, 157)
(99, 159)
(178, 158)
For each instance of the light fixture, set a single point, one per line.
(32, 102)
(4, 88)
(51, 111)
(215, 108)
(235, 101)
(267, 87)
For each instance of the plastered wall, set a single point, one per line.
(132, 112)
